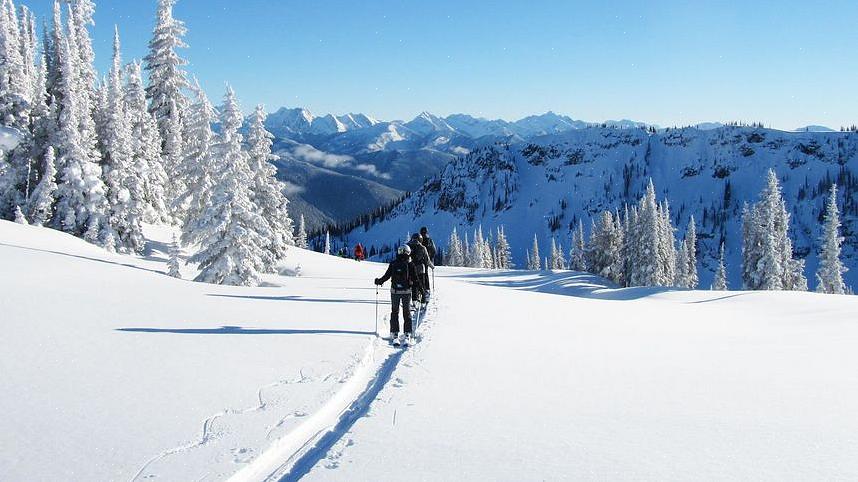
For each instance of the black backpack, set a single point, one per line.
(400, 279)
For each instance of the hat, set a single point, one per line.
(405, 249)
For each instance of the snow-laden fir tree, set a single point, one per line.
(556, 258)
(681, 280)
(767, 262)
(146, 145)
(41, 207)
(19, 216)
(81, 61)
(604, 250)
(198, 165)
(645, 263)
(577, 254)
(453, 256)
(482, 251)
(503, 252)
(266, 188)
(301, 234)
(534, 262)
(327, 242)
(167, 79)
(692, 279)
(830, 272)
(14, 89)
(81, 202)
(466, 252)
(233, 237)
(666, 248)
(720, 281)
(123, 178)
(173, 263)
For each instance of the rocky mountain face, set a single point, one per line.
(546, 184)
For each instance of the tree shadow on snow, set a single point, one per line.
(237, 330)
(565, 283)
(302, 299)
(88, 258)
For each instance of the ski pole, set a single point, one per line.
(433, 278)
(376, 310)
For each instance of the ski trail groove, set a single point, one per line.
(295, 454)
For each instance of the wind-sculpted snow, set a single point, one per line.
(546, 185)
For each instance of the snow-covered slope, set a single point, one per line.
(546, 185)
(114, 371)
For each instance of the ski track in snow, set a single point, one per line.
(323, 434)
(208, 433)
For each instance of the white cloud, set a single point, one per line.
(312, 155)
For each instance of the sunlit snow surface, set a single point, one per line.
(113, 371)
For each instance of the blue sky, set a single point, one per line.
(784, 63)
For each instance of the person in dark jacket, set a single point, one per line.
(421, 260)
(431, 251)
(403, 275)
(359, 252)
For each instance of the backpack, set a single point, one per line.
(400, 279)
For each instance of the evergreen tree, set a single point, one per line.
(557, 260)
(19, 216)
(666, 248)
(301, 235)
(81, 201)
(146, 146)
(830, 272)
(167, 79)
(577, 255)
(503, 251)
(44, 196)
(327, 242)
(605, 248)
(466, 252)
(645, 260)
(720, 281)
(682, 277)
(267, 190)
(198, 165)
(233, 236)
(125, 185)
(14, 89)
(534, 262)
(766, 246)
(691, 277)
(454, 256)
(173, 264)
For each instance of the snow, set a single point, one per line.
(9, 138)
(114, 371)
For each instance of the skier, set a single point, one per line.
(431, 251)
(422, 262)
(402, 274)
(359, 254)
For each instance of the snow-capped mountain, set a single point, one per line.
(545, 185)
(299, 122)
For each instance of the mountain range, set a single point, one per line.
(546, 185)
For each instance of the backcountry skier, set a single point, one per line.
(402, 274)
(431, 251)
(422, 262)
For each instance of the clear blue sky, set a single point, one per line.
(785, 63)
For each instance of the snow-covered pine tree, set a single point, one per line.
(146, 145)
(173, 264)
(166, 81)
(267, 190)
(766, 246)
(692, 279)
(667, 248)
(19, 216)
(483, 250)
(645, 262)
(81, 202)
(453, 256)
(301, 235)
(830, 272)
(503, 251)
(604, 249)
(198, 165)
(534, 262)
(233, 236)
(41, 207)
(14, 89)
(327, 242)
(557, 260)
(466, 252)
(80, 13)
(578, 252)
(124, 181)
(681, 280)
(720, 281)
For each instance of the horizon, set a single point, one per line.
(588, 62)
